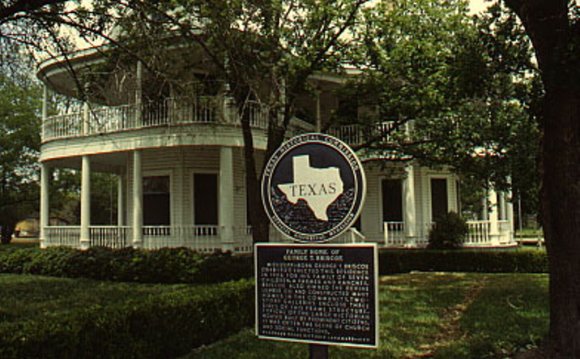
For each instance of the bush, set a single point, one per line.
(156, 326)
(168, 265)
(480, 261)
(448, 232)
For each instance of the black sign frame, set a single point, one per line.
(365, 249)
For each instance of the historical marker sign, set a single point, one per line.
(317, 293)
(313, 187)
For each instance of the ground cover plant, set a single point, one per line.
(44, 317)
(439, 315)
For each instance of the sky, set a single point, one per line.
(476, 6)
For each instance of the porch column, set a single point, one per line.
(493, 217)
(120, 201)
(410, 213)
(137, 200)
(44, 202)
(86, 118)
(226, 198)
(139, 95)
(85, 235)
(44, 110)
(510, 214)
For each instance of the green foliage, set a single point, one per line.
(471, 261)
(168, 265)
(19, 145)
(467, 86)
(448, 232)
(106, 320)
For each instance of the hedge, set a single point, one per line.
(480, 261)
(168, 265)
(159, 326)
(181, 265)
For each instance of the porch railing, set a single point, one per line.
(394, 233)
(200, 238)
(479, 234)
(66, 236)
(169, 111)
(110, 236)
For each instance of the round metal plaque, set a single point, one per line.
(313, 188)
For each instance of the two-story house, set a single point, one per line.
(178, 155)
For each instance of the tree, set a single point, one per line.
(465, 85)
(554, 29)
(19, 146)
(262, 51)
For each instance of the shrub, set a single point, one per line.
(166, 325)
(448, 232)
(168, 265)
(480, 261)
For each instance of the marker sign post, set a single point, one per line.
(313, 190)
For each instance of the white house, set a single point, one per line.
(179, 160)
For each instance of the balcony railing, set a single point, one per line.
(170, 111)
(357, 135)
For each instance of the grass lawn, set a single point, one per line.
(426, 315)
(29, 297)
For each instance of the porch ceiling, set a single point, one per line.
(106, 162)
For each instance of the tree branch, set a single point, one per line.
(25, 6)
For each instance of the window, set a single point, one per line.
(439, 206)
(205, 199)
(156, 201)
(392, 192)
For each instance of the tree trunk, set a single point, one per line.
(561, 218)
(555, 37)
(6, 230)
(257, 215)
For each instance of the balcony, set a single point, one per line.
(360, 135)
(169, 112)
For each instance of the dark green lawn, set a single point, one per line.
(432, 315)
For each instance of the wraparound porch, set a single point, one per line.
(481, 234)
(205, 239)
(209, 239)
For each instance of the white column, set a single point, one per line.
(510, 214)
(137, 200)
(226, 198)
(120, 201)
(410, 214)
(85, 239)
(44, 110)
(139, 95)
(44, 205)
(86, 118)
(493, 217)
